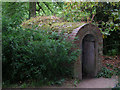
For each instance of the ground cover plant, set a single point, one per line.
(110, 67)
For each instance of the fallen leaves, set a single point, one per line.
(111, 62)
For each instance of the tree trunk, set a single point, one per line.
(32, 9)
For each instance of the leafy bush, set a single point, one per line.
(106, 73)
(36, 55)
(112, 44)
(13, 13)
(112, 52)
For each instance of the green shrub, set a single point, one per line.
(106, 73)
(112, 52)
(13, 13)
(36, 55)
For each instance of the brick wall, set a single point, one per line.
(81, 32)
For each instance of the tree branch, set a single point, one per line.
(59, 5)
(47, 6)
(40, 8)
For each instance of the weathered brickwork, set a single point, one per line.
(91, 48)
(81, 32)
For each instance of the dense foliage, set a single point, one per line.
(111, 66)
(30, 54)
(104, 14)
(112, 43)
(36, 55)
(13, 13)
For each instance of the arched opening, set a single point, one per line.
(88, 56)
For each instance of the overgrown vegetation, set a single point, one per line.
(107, 73)
(75, 12)
(110, 67)
(13, 14)
(39, 56)
(36, 55)
(103, 14)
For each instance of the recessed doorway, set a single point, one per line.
(88, 56)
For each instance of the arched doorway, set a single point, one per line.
(88, 56)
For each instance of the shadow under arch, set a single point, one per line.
(88, 56)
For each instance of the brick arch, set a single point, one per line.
(81, 32)
(78, 30)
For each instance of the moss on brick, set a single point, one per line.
(52, 22)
